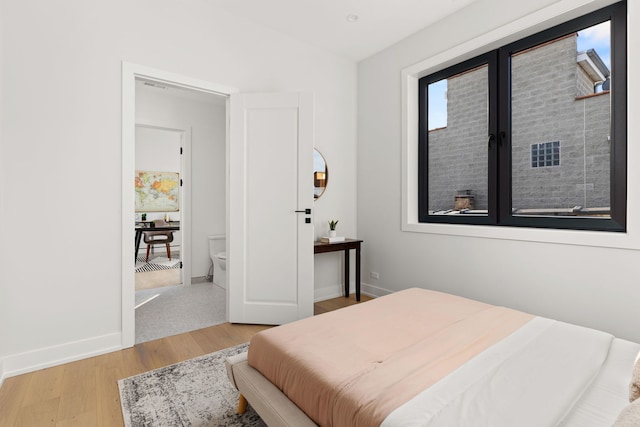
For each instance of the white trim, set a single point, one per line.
(543, 18)
(128, 203)
(328, 292)
(185, 213)
(374, 291)
(129, 73)
(227, 177)
(30, 361)
(2, 373)
(336, 291)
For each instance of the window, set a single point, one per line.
(545, 154)
(481, 160)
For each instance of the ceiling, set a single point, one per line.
(379, 23)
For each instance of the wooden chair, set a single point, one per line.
(158, 237)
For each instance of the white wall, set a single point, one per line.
(61, 112)
(207, 124)
(157, 149)
(580, 277)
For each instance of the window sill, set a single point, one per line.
(538, 235)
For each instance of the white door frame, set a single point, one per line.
(130, 72)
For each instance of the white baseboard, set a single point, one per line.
(337, 290)
(328, 292)
(2, 376)
(29, 361)
(374, 291)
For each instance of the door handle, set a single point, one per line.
(306, 211)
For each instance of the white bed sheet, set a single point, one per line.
(548, 373)
(609, 394)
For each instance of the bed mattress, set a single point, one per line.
(420, 357)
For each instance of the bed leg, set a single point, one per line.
(242, 404)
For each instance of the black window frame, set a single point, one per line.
(499, 189)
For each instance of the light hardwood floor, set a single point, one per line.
(157, 279)
(85, 393)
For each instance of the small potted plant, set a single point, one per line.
(332, 227)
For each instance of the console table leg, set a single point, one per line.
(358, 272)
(346, 273)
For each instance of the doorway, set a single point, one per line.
(159, 200)
(194, 247)
(182, 190)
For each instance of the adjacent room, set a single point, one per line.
(349, 178)
(180, 179)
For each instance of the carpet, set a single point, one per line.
(172, 310)
(194, 393)
(157, 263)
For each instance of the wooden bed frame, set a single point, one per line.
(607, 395)
(268, 401)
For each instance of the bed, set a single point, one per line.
(425, 358)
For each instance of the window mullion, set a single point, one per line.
(494, 149)
(503, 130)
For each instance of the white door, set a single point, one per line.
(270, 244)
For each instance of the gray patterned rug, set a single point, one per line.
(157, 263)
(194, 393)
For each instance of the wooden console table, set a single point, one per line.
(322, 247)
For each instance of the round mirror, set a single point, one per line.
(320, 174)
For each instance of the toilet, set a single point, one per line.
(218, 253)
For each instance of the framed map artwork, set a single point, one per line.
(157, 191)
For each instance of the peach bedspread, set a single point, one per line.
(353, 367)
